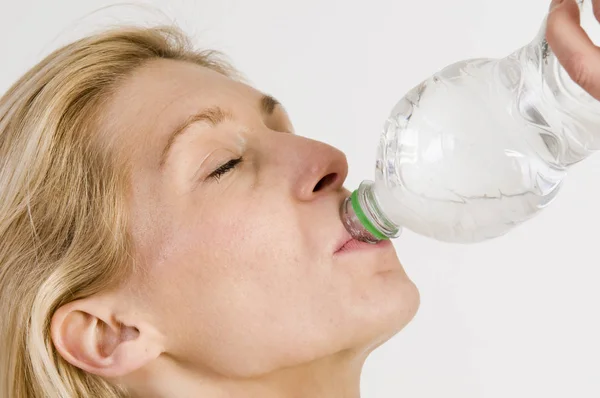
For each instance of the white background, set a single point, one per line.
(514, 317)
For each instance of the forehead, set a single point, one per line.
(159, 95)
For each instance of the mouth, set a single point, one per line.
(348, 244)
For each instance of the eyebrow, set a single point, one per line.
(213, 116)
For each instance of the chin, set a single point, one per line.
(383, 299)
(401, 303)
(386, 311)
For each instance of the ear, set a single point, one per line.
(88, 335)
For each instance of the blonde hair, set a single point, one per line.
(63, 219)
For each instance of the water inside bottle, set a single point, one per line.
(457, 161)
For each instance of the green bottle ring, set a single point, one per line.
(363, 218)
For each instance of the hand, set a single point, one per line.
(575, 51)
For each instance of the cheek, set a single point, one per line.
(236, 253)
(248, 288)
(259, 255)
(242, 304)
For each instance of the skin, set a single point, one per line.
(576, 52)
(242, 292)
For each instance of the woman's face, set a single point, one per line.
(236, 225)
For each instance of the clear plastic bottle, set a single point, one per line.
(478, 148)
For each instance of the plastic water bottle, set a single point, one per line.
(478, 148)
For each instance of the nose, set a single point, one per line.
(324, 170)
(315, 167)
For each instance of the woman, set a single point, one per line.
(164, 233)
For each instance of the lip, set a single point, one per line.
(348, 244)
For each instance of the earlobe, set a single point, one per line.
(87, 335)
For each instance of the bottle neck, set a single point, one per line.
(363, 217)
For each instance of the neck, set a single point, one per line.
(337, 376)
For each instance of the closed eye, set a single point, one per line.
(225, 168)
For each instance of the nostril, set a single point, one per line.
(325, 182)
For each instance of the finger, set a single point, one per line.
(573, 47)
(596, 6)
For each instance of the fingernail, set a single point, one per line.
(555, 3)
